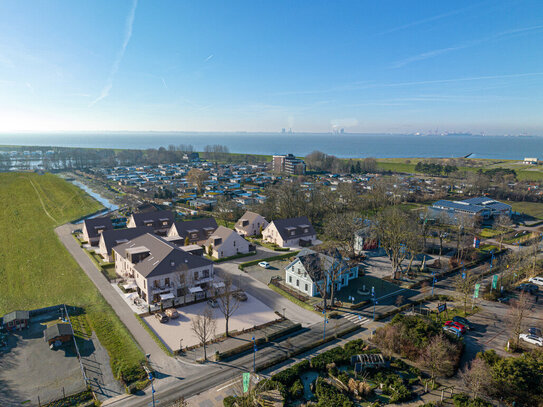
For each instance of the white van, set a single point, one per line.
(536, 280)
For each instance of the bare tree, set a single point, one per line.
(476, 377)
(394, 228)
(464, 287)
(197, 177)
(341, 228)
(437, 359)
(204, 326)
(228, 304)
(502, 224)
(516, 315)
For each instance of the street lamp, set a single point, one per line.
(254, 354)
(180, 345)
(152, 387)
(433, 282)
(284, 312)
(324, 325)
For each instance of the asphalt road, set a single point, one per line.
(215, 373)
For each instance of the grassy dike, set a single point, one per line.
(37, 271)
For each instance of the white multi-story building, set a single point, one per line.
(161, 270)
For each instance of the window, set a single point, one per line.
(297, 283)
(196, 275)
(155, 283)
(306, 288)
(167, 281)
(306, 230)
(234, 244)
(290, 279)
(206, 273)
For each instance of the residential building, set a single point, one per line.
(16, 320)
(161, 270)
(197, 231)
(226, 243)
(111, 238)
(160, 221)
(531, 161)
(291, 232)
(308, 271)
(288, 164)
(251, 224)
(94, 227)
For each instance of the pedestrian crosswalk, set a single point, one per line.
(357, 319)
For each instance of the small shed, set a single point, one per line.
(16, 320)
(58, 332)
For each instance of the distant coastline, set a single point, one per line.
(346, 145)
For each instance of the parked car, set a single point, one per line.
(172, 313)
(240, 296)
(213, 303)
(536, 280)
(504, 300)
(528, 288)
(458, 325)
(453, 330)
(264, 264)
(162, 317)
(534, 340)
(534, 331)
(462, 321)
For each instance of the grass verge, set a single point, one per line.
(155, 337)
(37, 271)
(291, 298)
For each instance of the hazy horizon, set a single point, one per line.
(368, 67)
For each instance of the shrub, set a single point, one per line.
(329, 396)
(463, 400)
(229, 401)
(288, 376)
(296, 390)
(355, 347)
(335, 355)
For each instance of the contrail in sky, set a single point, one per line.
(117, 62)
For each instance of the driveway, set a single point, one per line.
(250, 313)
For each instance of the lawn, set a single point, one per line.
(534, 209)
(37, 271)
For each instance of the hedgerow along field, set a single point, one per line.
(36, 270)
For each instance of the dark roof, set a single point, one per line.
(115, 237)
(164, 257)
(488, 202)
(458, 206)
(16, 315)
(57, 330)
(197, 226)
(94, 224)
(249, 216)
(284, 227)
(314, 263)
(141, 219)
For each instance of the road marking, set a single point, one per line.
(228, 385)
(357, 319)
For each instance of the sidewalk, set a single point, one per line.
(243, 340)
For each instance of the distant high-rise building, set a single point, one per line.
(283, 130)
(341, 131)
(288, 164)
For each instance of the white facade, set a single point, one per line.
(298, 278)
(272, 235)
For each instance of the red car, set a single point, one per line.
(458, 325)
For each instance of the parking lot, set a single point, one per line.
(249, 314)
(29, 369)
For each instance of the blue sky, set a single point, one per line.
(368, 66)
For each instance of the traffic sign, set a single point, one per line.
(476, 292)
(495, 281)
(246, 381)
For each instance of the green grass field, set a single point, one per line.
(37, 271)
(534, 209)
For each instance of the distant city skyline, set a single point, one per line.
(309, 66)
